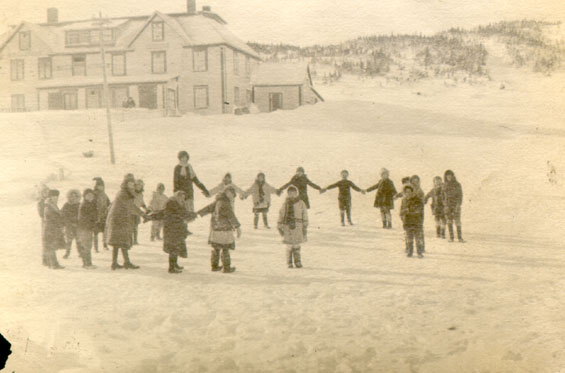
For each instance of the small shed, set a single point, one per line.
(283, 86)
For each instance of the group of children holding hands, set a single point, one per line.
(82, 222)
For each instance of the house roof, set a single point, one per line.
(281, 74)
(200, 29)
(86, 81)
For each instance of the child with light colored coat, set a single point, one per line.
(293, 226)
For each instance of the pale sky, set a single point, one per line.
(306, 22)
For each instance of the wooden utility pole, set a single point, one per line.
(101, 23)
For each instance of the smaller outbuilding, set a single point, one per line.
(283, 86)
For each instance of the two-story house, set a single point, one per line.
(184, 61)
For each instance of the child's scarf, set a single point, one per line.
(260, 185)
(290, 218)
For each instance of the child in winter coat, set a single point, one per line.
(158, 203)
(102, 208)
(452, 201)
(261, 192)
(54, 224)
(43, 196)
(405, 181)
(344, 197)
(140, 203)
(70, 214)
(300, 181)
(436, 195)
(223, 224)
(415, 182)
(412, 215)
(86, 226)
(175, 217)
(384, 199)
(293, 226)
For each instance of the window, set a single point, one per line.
(18, 103)
(236, 96)
(17, 69)
(25, 40)
(158, 62)
(89, 37)
(235, 63)
(119, 64)
(247, 66)
(158, 31)
(107, 36)
(200, 59)
(79, 64)
(45, 68)
(201, 97)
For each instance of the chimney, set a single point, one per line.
(206, 8)
(52, 15)
(191, 6)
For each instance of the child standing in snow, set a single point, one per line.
(223, 224)
(86, 226)
(43, 196)
(436, 195)
(140, 203)
(344, 197)
(158, 203)
(53, 235)
(293, 225)
(261, 192)
(102, 207)
(405, 181)
(175, 217)
(384, 199)
(412, 215)
(300, 181)
(70, 214)
(415, 182)
(452, 201)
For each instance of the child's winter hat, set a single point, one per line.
(127, 179)
(87, 191)
(384, 171)
(300, 169)
(406, 180)
(160, 186)
(98, 181)
(292, 188)
(53, 193)
(345, 171)
(73, 193)
(408, 186)
(182, 154)
(415, 177)
(449, 172)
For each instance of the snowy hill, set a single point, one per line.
(492, 304)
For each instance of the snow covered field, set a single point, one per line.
(494, 304)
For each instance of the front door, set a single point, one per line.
(148, 96)
(55, 101)
(275, 101)
(93, 98)
(70, 100)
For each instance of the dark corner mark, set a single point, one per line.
(5, 351)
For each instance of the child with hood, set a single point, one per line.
(54, 224)
(158, 203)
(86, 226)
(344, 196)
(175, 230)
(140, 203)
(412, 215)
(102, 207)
(293, 225)
(43, 196)
(261, 192)
(70, 215)
(226, 182)
(301, 182)
(223, 224)
(384, 199)
(436, 195)
(452, 201)
(119, 224)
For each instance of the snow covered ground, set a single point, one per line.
(494, 304)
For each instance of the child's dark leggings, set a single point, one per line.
(265, 219)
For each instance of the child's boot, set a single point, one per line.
(297, 257)
(127, 263)
(215, 260)
(266, 221)
(172, 264)
(451, 234)
(460, 234)
(115, 264)
(256, 221)
(349, 217)
(226, 261)
(289, 258)
(438, 231)
(342, 216)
